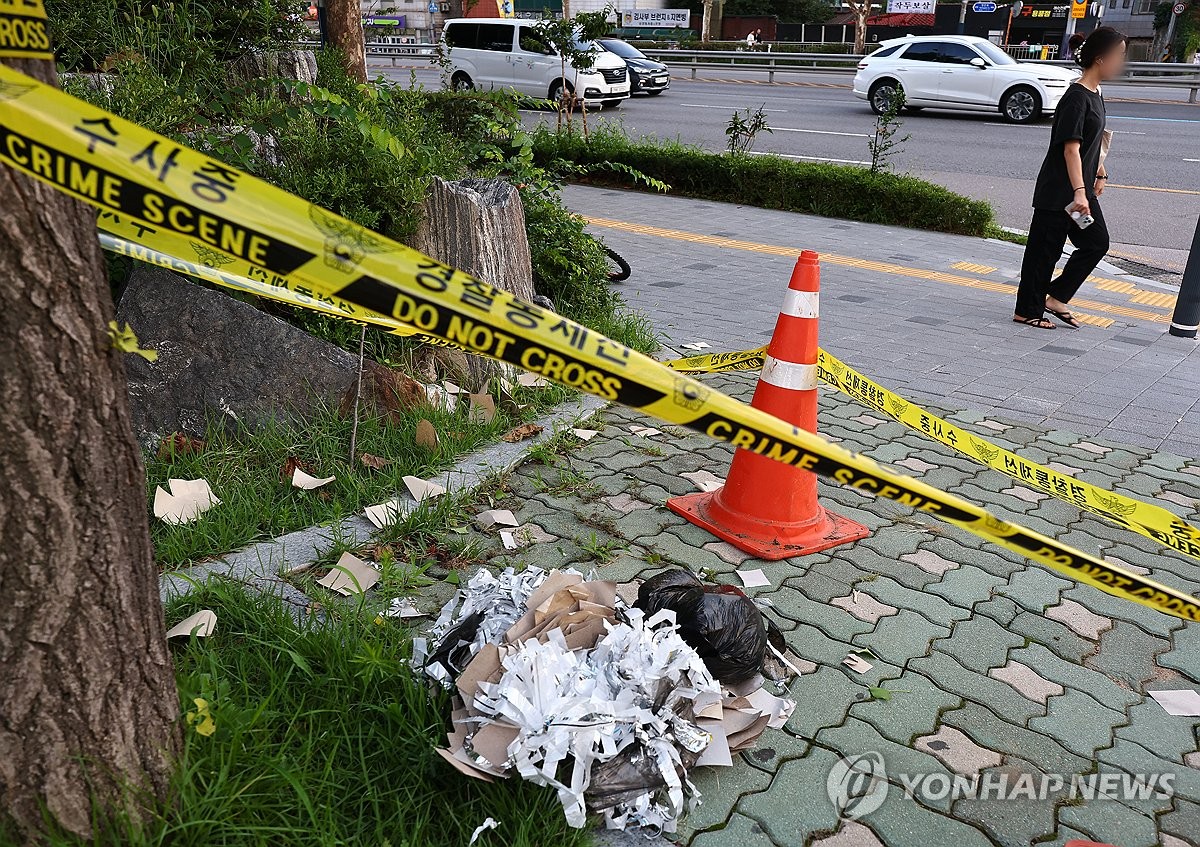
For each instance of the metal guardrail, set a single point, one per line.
(1136, 73)
(1151, 74)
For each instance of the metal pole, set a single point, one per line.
(1064, 50)
(962, 18)
(1170, 36)
(1186, 320)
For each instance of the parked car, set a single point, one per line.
(510, 53)
(645, 74)
(959, 72)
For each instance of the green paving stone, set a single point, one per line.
(825, 580)
(912, 712)
(1168, 736)
(823, 698)
(1000, 609)
(740, 831)
(677, 485)
(624, 568)
(609, 484)
(1183, 821)
(1145, 795)
(931, 606)
(1053, 635)
(1035, 588)
(963, 547)
(800, 807)
(980, 643)
(904, 823)
(892, 542)
(1109, 606)
(1013, 821)
(642, 523)
(1127, 653)
(967, 585)
(774, 748)
(675, 550)
(1135, 759)
(987, 730)
(903, 636)
(721, 788)
(1078, 722)
(1065, 836)
(832, 620)
(1185, 657)
(856, 737)
(1111, 822)
(999, 697)
(1073, 676)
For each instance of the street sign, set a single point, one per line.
(1180, 8)
(1079, 9)
(984, 7)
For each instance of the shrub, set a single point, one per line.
(771, 182)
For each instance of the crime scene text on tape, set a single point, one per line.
(23, 31)
(135, 174)
(1147, 519)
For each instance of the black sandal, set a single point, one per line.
(1036, 323)
(1066, 317)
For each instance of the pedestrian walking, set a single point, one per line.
(750, 40)
(758, 39)
(1066, 195)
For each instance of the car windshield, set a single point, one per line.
(625, 51)
(994, 54)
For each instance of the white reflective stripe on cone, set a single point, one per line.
(801, 304)
(1183, 326)
(789, 374)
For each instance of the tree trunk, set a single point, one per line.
(343, 31)
(478, 226)
(88, 706)
(860, 26)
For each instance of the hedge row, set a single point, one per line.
(771, 182)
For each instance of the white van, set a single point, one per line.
(489, 53)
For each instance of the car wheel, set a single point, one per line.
(611, 104)
(556, 93)
(461, 82)
(654, 93)
(882, 93)
(1021, 105)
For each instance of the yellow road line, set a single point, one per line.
(864, 264)
(1149, 188)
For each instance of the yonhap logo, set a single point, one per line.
(857, 785)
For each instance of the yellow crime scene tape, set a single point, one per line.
(166, 188)
(23, 32)
(1149, 520)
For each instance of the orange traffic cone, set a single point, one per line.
(768, 508)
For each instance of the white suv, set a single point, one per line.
(959, 72)
(510, 53)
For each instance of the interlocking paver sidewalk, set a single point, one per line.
(998, 667)
(906, 315)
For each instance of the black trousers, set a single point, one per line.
(1048, 235)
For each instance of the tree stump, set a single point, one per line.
(299, 65)
(478, 226)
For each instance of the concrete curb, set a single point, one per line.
(263, 566)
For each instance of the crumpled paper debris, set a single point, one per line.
(201, 625)
(488, 823)
(558, 682)
(307, 482)
(186, 501)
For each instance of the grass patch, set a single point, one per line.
(770, 182)
(246, 468)
(323, 737)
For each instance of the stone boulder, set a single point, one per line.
(220, 357)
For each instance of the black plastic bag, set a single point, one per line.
(718, 621)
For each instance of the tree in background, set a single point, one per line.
(344, 32)
(860, 9)
(88, 708)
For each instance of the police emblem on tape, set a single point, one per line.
(346, 244)
(689, 395)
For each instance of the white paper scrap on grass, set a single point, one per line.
(585, 434)
(532, 380)
(201, 624)
(696, 345)
(186, 501)
(509, 539)
(383, 514)
(403, 608)
(351, 575)
(422, 489)
(645, 431)
(1183, 702)
(753, 578)
(496, 517)
(706, 481)
(302, 480)
(489, 823)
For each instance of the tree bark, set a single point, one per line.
(861, 9)
(478, 226)
(343, 30)
(88, 706)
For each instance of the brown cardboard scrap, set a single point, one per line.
(427, 436)
(351, 575)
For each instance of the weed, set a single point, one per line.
(884, 144)
(742, 130)
(601, 551)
